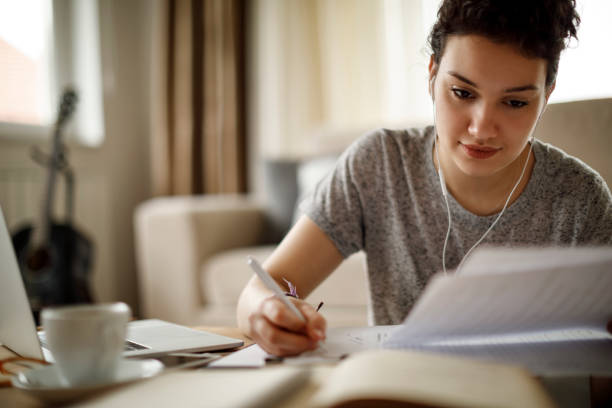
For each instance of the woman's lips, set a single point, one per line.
(479, 152)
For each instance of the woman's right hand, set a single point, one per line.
(306, 257)
(279, 331)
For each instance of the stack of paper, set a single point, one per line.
(546, 309)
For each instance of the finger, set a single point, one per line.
(277, 341)
(316, 323)
(280, 315)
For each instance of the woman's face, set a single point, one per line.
(488, 99)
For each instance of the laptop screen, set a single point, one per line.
(17, 328)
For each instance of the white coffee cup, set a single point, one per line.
(86, 341)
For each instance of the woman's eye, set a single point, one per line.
(516, 104)
(461, 93)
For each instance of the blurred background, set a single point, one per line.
(189, 97)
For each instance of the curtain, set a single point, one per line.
(198, 141)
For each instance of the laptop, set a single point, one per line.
(145, 338)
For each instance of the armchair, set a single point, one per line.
(191, 253)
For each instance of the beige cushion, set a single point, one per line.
(225, 274)
(344, 293)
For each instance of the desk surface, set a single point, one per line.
(601, 389)
(11, 397)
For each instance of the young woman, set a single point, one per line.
(416, 201)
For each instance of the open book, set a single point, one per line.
(546, 309)
(404, 378)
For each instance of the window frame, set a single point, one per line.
(66, 68)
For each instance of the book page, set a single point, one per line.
(550, 318)
(206, 388)
(421, 378)
(552, 357)
(486, 304)
(488, 260)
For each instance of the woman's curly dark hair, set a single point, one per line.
(539, 28)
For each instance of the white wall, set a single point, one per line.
(113, 178)
(585, 65)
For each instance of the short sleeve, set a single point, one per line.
(598, 228)
(336, 204)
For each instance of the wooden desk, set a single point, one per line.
(11, 397)
(601, 389)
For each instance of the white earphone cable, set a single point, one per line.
(500, 214)
(448, 230)
(449, 212)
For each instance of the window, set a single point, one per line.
(25, 74)
(46, 45)
(584, 66)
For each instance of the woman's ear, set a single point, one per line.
(548, 93)
(550, 89)
(433, 70)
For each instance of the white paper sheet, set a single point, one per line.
(339, 343)
(559, 358)
(485, 304)
(343, 341)
(489, 260)
(546, 312)
(252, 356)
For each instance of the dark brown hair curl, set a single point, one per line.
(538, 28)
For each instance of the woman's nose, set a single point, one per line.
(482, 123)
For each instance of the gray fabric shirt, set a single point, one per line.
(384, 197)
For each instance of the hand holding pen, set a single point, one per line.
(284, 325)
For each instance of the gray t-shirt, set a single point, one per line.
(384, 197)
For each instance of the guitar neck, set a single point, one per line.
(42, 233)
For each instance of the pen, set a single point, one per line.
(273, 286)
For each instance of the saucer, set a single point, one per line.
(46, 384)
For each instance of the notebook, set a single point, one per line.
(145, 338)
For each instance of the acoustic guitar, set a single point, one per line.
(54, 257)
